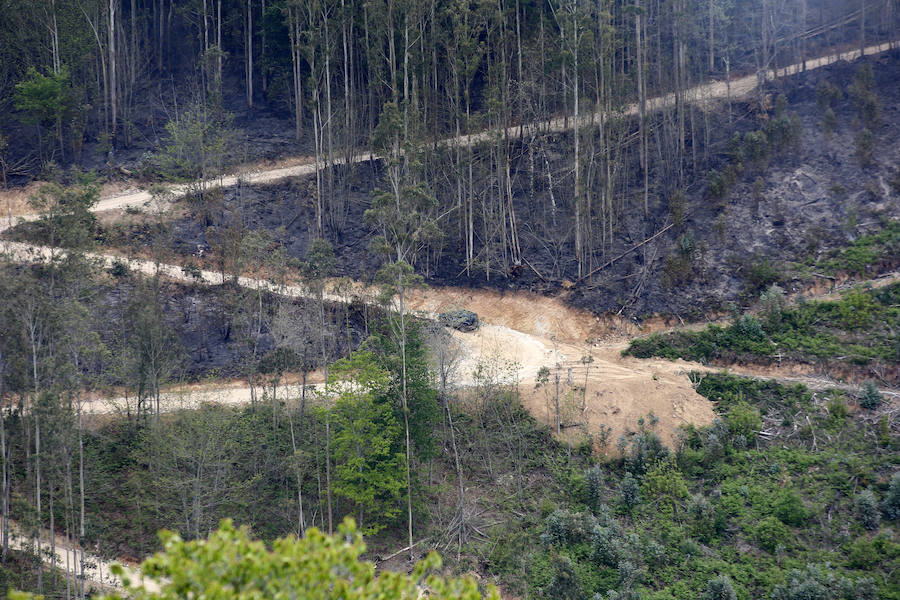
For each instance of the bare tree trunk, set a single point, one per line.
(4, 454)
(113, 80)
(249, 53)
(37, 498)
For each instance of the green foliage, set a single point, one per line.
(743, 420)
(859, 326)
(719, 588)
(716, 184)
(771, 533)
(771, 304)
(827, 95)
(871, 397)
(665, 485)
(195, 152)
(566, 583)
(630, 490)
(229, 565)
(755, 146)
(864, 252)
(594, 487)
(422, 399)
(66, 218)
(788, 507)
(368, 472)
(819, 583)
(44, 98)
(867, 509)
(762, 274)
(891, 505)
(865, 97)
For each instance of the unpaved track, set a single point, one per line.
(739, 88)
(520, 334)
(96, 570)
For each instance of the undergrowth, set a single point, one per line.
(860, 330)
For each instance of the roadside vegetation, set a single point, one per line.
(857, 332)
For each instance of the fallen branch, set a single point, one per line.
(536, 272)
(400, 551)
(626, 253)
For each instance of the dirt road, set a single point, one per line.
(97, 571)
(13, 205)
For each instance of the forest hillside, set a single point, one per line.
(592, 300)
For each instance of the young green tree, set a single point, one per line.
(368, 472)
(404, 215)
(45, 100)
(195, 152)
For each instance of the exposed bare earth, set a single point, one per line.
(521, 332)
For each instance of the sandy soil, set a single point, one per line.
(97, 574)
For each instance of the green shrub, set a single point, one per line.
(566, 583)
(871, 398)
(564, 528)
(755, 145)
(744, 420)
(856, 309)
(771, 303)
(593, 487)
(719, 588)
(867, 509)
(716, 184)
(762, 274)
(891, 506)
(789, 509)
(819, 583)
(827, 95)
(770, 533)
(630, 490)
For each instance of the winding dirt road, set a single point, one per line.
(521, 333)
(738, 88)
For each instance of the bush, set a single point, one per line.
(771, 533)
(716, 185)
(772, 302)
(566, 583)
(762, 274)
(630, 490)
(743, 419)
(749, 328)
(703, 515)
(593, 487)
(891, 506)
(871, 398)
(719, 588)
(607, 545)
(827, 95)
(564, 528)
(819, 583)
(867, 510)
(755, 145)
(789, 509)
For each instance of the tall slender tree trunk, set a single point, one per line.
(113, 76)
(249, 73)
